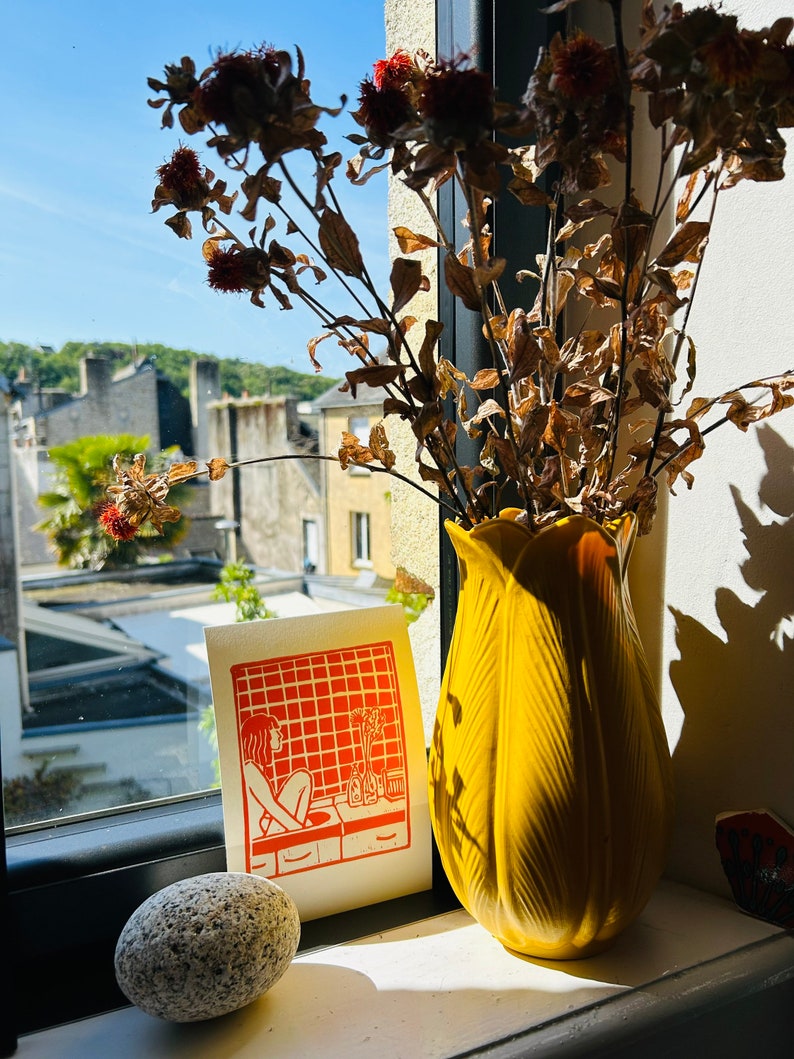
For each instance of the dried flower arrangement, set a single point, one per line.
(574, 419)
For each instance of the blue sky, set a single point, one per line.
(81, 255)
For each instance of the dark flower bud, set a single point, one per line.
(382, 111)
(457, 106)
(581, 67)
(237, 269)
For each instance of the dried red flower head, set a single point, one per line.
(185, 186)
(115, 524)
(576, 130)
(581, 67)
(139, 497)
(258, 99)
(237, 82)
(456, 104)
(182, 173)
(382, 111)
(394, 72)
(182, 180)
(732, 59)
(237, 269)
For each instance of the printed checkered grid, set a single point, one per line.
(313, 697)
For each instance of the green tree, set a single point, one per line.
(82, 473)
(236, 586)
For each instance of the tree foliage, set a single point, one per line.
(61, 369)
(236, 586)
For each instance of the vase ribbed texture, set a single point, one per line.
(550, 774)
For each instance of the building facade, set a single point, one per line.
(358, 501)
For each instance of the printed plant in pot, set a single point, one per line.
(550, 781)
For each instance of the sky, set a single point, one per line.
(82, 257)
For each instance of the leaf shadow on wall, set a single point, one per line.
(736, 749)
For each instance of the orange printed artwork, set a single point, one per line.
(322, 747)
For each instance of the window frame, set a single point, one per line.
(361, 538)
(71, 888)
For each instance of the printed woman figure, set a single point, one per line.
(285, 809)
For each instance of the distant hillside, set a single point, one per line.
(60, 369)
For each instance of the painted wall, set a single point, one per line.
(728, 650)
(414, 518)
(351, 491)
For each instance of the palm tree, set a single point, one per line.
(82, 472)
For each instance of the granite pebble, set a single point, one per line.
(206, 946)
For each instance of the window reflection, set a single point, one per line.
(103, 671)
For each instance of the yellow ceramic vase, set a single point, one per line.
(550, 775)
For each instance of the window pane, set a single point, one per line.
(102, 660)
(361, 537)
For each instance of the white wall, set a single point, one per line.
(414, 518)
(729, 660)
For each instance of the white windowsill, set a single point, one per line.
(443, 986)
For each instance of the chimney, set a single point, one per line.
(205, 387)
(95, 377)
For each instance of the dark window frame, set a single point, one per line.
(72, 887)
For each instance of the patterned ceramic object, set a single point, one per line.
(550, 775)
(757, 853)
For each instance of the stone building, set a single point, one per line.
(303, 514)
(358, 501)
(278, 506)
(136, 400)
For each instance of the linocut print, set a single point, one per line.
(322, 756)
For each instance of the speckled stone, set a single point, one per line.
(205, 946)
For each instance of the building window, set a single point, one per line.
(361, 539)
(310, 534)
(359, 426)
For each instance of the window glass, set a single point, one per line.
(361, 552)
(101, 658)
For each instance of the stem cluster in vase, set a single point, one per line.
(588, 403)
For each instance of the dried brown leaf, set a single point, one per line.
(485, 275)
(217, 468)
(373, 375)
(406, 280)
(686, 244)
(180, 223)
(527, 192)
(339, 244)
(351, 451)
(560, 426)
(486, 409)
(461, 282)
(485, 379)
(312, 345)
(585, 394)
(180, 472)
(427, 358)
(410, 242)
(379, 444)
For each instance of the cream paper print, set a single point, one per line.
(322, 756)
